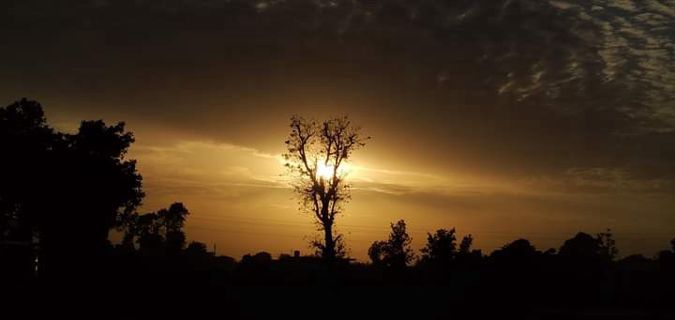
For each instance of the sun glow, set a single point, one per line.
(324, 171)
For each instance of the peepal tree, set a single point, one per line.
(317, 152)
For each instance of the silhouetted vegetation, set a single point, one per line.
(61, 193)
(316, 155)
(396, 251)
(156, 231)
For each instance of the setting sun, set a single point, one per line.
(339, 159)
(324, 171)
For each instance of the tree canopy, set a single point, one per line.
(67, 190)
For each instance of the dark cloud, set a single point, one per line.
(524, 87)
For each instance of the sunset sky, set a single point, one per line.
(502, 118)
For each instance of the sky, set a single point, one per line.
(501, 118)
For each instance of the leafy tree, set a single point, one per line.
(376, 252)
(581, 245)
(172, 220)
(465, 245)
(26, 140)
(196, 248)
(441, 246)
(149, 232)
(316, 156)
(607, 244)
(156, 231)
(520, 250)
(667, 257)
(586, 247)
(396, 251)
(65, 190)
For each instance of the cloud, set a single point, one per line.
(519, 88)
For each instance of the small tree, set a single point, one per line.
(172, 220)
(316, 156)
(465, 245)
(376, 252)
(583, 246)
(441, 246)
(396, 251)
(154, 231)
(607, 245)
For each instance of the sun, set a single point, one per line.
(324, 171)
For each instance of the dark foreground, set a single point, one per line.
(201, 286)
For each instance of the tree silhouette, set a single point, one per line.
(667, 257)
(149, 235)
(520, 250)
(441, 246)
(465, 245)
(608, 247)
(26, 140)
(156, 231)
(396, 251)
(316, 156)
(376, 252)
(586, 247)
(196, 248)
(64, 190)
(173, 220)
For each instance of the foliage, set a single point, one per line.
(157, 231)
(584, 246)
(64, 190)
(465, 245)
(441, 246)
(396, 251)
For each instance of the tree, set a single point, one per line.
(156, 231)
(465, 245)
(26, 141)
(65, 190)
(396, 251)
(667, 257)
(172, 220)
(150, 237)
(376, 252)
(520, 250)
(316, 156)
(107, 184)
(608, 248)
(441, 246)
(583, 246)
(196, 248)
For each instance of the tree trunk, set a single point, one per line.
(329, 242)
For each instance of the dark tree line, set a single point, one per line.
(442, 248)
(61, 193)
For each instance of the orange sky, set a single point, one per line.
(502, 118)
(241, 201)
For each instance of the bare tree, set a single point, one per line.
(316, 158)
